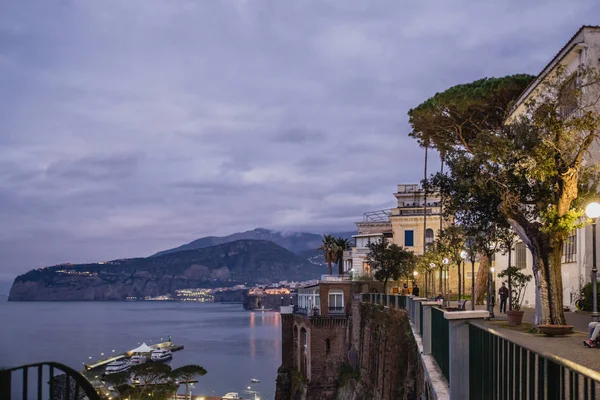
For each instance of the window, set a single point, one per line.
(409, 239)
(520, 255)
(428, 236)
(567, 98)
(336, 301)
(569, 254)
(327, 346)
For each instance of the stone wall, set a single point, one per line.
(371, 355)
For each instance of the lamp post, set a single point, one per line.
(463, 256)
(445, 262)
(472, 281)
(415, 274)
(490, 296)
(593, 211)
(432, 266)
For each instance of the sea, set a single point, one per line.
(233, 345)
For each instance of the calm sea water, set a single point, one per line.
(232, 344)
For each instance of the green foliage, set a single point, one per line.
(528, 172)
(186, 373)
(587, 296)
(341, 245)
(389, 261)
(329, 249)
(518, 283)
(348, 373)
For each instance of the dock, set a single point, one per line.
(128, 354)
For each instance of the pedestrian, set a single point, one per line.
(416, 290)
(503, 292)
(405, 290)
(594, 330)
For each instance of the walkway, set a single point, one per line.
(569, 347)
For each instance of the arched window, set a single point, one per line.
(295, 335)
(428, 236)
(327, 346)
(303, 352)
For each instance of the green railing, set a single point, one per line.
(72, 386)
(440, 341)
(420, 311)
(502, 369)
(402, 301)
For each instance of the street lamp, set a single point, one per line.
(593, 211)
(432, 266)
(445, 261)
(463, 256)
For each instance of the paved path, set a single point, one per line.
(568, 347)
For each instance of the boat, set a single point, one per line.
(231, 396)
(161, 355)
(138, 359)
(263, 309)
(117, 366)
(254, 380)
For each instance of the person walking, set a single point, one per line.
(503, 292)
(416, 290)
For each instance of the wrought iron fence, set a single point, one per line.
(70, 385)
(420, 317)
(502, 369)
(440, 341)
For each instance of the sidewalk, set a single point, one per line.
(569, 347)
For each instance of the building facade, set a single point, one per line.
(582, 50)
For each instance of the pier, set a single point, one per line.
(128, 354)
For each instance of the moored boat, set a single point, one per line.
(231, 396)
(161, 355)
(117, 366)
(254, 380)
(138, 359)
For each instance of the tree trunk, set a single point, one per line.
(459, 281)
(385, 286)
(548, 280)
(481, 283)
(329, 265)
(440, 290)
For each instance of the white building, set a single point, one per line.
(583, 49)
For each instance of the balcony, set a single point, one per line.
(336, 310)
(335, 278)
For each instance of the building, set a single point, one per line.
(314, 335)
(417, 220)
(583, 49)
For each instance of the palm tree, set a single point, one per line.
(329, 249)
(342, 245)
(186, 373)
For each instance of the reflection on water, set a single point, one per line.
(232, 344)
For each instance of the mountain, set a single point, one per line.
(296, 242)
(240, 261)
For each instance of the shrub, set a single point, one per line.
(586, 294)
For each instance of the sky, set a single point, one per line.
(129, 127)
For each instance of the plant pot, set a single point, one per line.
(555, 330)
(515, 317)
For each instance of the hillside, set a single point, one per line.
(241, 261)
(296, 242)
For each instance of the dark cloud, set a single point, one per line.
(127, 127)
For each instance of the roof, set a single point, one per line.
(560, 54)
(144, 348)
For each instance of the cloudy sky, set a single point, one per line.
(128, 127)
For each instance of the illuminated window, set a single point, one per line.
(569, 254)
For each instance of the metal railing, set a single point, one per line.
(440, 341)
(420, 317)
(502, 369)
(72, 387)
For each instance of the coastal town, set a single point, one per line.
(414, 220)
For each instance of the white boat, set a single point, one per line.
(161, 355)
(232, 396)
(117, 366)
(254, 380)
(138, 359)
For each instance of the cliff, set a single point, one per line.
(242, 261)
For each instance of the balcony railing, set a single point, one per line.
(335, 278)
(70, 385)
(336, 310)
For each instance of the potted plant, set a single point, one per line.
(518, 283)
